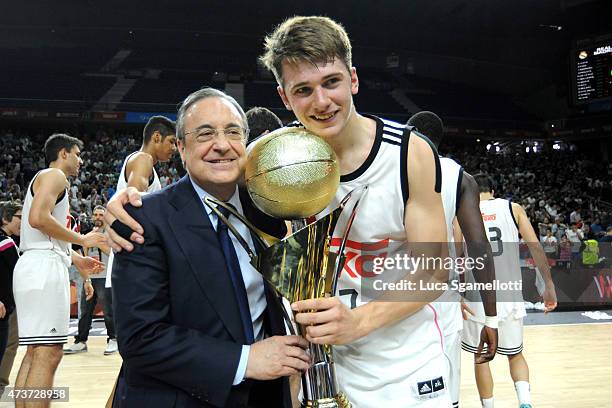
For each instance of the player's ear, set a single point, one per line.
(354, 81)
(180, 144)
(281, 93)
(157, 137)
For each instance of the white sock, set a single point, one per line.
(487, 402)
(523, 392)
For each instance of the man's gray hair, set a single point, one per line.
(203, 94)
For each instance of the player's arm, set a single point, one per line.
(457, 237)
(478, 246)
(537, 252)
(335, 323)
(49, 185)
(139, 170)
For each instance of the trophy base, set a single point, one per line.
(339, 401)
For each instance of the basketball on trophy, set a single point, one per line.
(292, 173)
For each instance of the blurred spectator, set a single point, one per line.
(608, 236)
(575, 216)
(550, 244)
(575, 237)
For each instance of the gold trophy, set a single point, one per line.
(292, 174)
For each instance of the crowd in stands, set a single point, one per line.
(21, 157)
(560, 190)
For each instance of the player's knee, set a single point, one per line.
(51, 354)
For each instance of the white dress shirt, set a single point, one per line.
(253, 281)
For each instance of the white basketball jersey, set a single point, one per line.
(154, 185)
(502, 231)
(388, 365)
(123, 179)
(447, 305)
(32, 239)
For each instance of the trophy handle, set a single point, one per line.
(213, 203)
(359, 191)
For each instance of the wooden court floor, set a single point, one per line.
(570, 365)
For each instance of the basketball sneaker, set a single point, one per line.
(111, 347)
(76, 348)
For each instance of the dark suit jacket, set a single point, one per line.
(178, 323)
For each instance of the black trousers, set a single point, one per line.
(103, 295)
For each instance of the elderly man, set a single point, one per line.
(196, 324)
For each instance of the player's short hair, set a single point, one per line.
(58, 141)
(313, 39)
(261, 119)
(8, 209)
(99, 207)
(428, 124)
(198, 96)
(485, 183)
(161, 124)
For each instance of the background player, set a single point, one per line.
(41, 284)
(138, 171)
(503, 222)
(261, 121)
(460, 200)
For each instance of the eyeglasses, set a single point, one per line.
(206, 134)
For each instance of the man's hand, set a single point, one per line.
(278, 356)
(488, 336)
(89, 290)
(88, 264)
(115, 211)
(93, 239)
(550, 297)
(328, 321)
(2, 310)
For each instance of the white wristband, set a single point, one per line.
(492, 322)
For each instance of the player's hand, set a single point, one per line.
(89, 290)
(2, 310)
(93, 239)
(465, 310)
(327, 321)
(88, 264)
(488, 336)
(277, 356)
(550, 297)
(115, 211)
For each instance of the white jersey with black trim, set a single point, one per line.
(33, 239)
(402, 364)
(502, 231)
(447, 305)
(122, 182)
(154, 185)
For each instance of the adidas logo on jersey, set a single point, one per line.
(431, 386)
(53, 330)
(425, 387)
